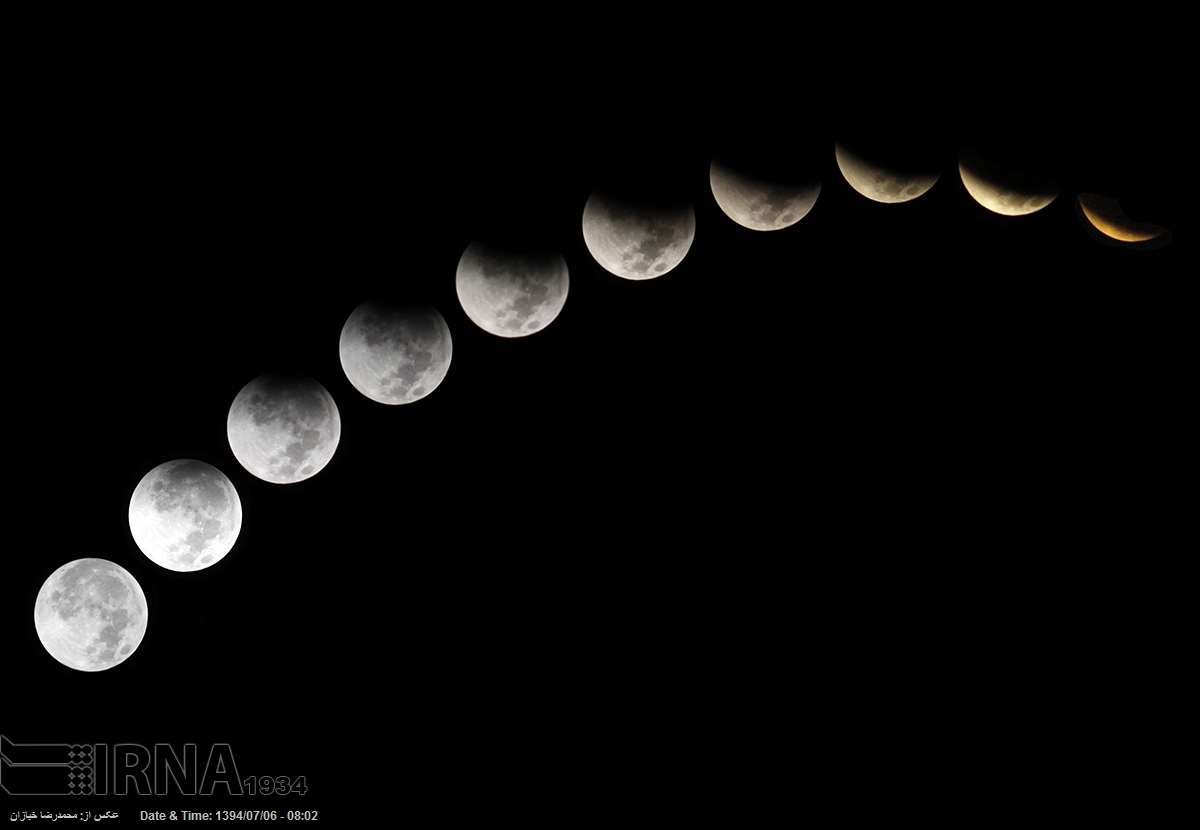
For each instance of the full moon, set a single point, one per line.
(1003, 191)
(889, 183)
(90, 614)
(185, 515)
(509, 294)
(637, 242)
(395, 354)
(283, 428)
(759, 205)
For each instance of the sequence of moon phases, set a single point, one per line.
(283, 428)
(90, 614)
(637, 241)
(510, 294)
(185, 515)
(1003, 191)
(760, 205)
(393, 353)
(1106, 216)
(888, 181)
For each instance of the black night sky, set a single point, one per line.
(896, 469)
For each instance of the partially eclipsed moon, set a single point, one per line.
(883, 182)
(1106, 216)
(509, 294)
(637, 242)
(395, 354)
(1003, 191)
(283, 428)
(90, 614)
(760, 205)
(185, 515)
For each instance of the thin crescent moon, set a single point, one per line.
(1107, 217)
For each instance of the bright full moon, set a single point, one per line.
(283, 428)
(185, 515)
(510, 294)
(90, 614)
(395, 354)
(637, 242)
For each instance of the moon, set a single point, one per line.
(393, 353)
(185, 515)
(1003, 191)
(637, 242)
(90, 614)
(1107, 217)
(510, 294)
(760, 205)
(889, 183)
(283, 428)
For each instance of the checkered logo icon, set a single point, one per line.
(46, 769)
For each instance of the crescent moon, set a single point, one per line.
(1106, 216)
(1003, 191)
(760, 205)
(882, 183)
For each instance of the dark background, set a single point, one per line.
(895, 469)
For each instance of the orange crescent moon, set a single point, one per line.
(1107, 217)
